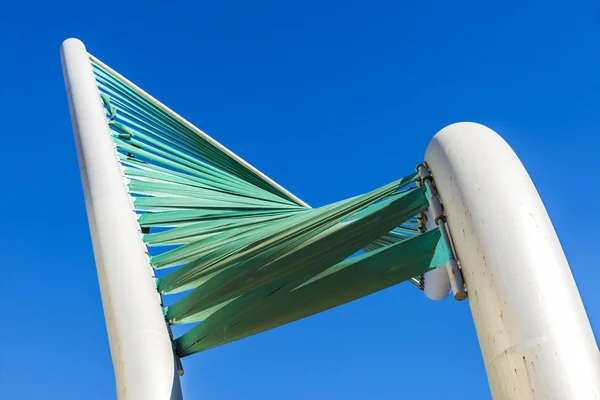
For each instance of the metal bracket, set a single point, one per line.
(437, 211)
(178, 362)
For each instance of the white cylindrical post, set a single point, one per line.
(534, 334)
(140, 345)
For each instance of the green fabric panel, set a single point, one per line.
(279, 303)
(187, 157)
(186, 234)
(141, 114)
(400, 230)
(146, 182)
(134, 167)
(206, 250)
(167, 190)
(186, 217)
(299, 256)
(250, 255)
(157, 120)
(230, 242)
(297, 228)
(175, 160)
(223, 203)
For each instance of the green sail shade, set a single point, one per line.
(246, 255)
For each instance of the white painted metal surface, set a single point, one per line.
(534, 334)
(139, 340)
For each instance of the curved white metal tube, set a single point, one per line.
(140, 345)
(534, 334)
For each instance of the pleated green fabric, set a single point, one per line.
(249, 256)
(279, 303)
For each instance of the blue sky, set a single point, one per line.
(330, 99)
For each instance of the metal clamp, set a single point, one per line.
(437, 211)
(424, 174)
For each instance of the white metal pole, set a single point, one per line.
(534, 334)
(140, 345)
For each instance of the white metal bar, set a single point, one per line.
(534, 334)
(198, 131)
(140, 346)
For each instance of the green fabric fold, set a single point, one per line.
(279, 303)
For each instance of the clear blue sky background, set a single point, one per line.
(330, 99)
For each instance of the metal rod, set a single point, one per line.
(141, 349)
